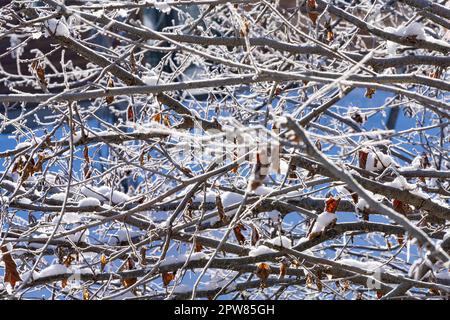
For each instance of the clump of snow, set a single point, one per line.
(260, 250)
(117, 196)
(323, 220)
(122, 235)
(281, 241)
(71, 217)
(263, 190)
(401, 183)
(104, 193)
(36, 35)
(417, 162)
(53, 270)
(89, 202)
(378, 160)
(183, 257)
(162, 6)
(415, 29)
(366, 265)
(421, 194)
(150, 80)
(56, 27)
(362, 203)
(230, 198)
(24, 201)
(23, 145)
(57, 196)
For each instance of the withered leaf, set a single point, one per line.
(110, 99)
(221, 210)
(130, 114)
(263, 271)
(379, 294)
(331, 204)
(132, 62)
(238, 234)
(143, 256)
(127, 282)
(157, 117)
(103, 262)
(283, 269)
(86, 294)
(255, 236)
(362, 157)
(369, 93)
(11, 274)
(86, 154)
(198, 247)
(167, 277)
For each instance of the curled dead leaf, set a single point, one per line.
(11, 274)
(331, 204)
(263, 271)
(238, 233)
(103, 262)
(167, 277)
(110, 99)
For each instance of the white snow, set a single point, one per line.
(281, 241)
(416, 29)
(416, 163)
(260, 250)
(322, 221)
(183, 257)
(52, 270)
(361, 205)
(89, 202)
(150, 80)
(24, 201)
(401, 183)
(103, 193)
(71, 217)
(378, 161)
(421, 194)
(56, 27)
(162, 6)
(366, 265)
(36, 35)
(230, 198)
(117, 196)
(58, 196)
(24, 144)
(263, 190)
